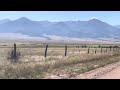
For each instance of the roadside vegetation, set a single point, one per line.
(32, 64)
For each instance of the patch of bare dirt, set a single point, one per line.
(111, 71)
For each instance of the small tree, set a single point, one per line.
(14, 55)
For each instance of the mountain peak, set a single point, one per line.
(23, 19)
(4, 21)
(95, 20)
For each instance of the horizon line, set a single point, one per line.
(49, 20)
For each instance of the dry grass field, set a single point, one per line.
(33, 65)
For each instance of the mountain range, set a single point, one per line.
(74, 30)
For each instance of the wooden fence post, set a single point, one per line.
(101, 49)
(88, 50)
(65, 50)
(95, 50)
(46, 51)
(15, 59)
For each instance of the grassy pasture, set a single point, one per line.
(33, 64)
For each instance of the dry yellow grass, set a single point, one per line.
(33, 64)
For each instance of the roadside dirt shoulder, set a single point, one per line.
(111, 71)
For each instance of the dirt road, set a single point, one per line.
(111, 71)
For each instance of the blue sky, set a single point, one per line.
(111, 17)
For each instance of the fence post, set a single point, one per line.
(95, 50)
(101, 49)
(15, 53)
(46, 51)
(88, 50)
(65, 50)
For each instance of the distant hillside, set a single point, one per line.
(93, 28)
(118, 26)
